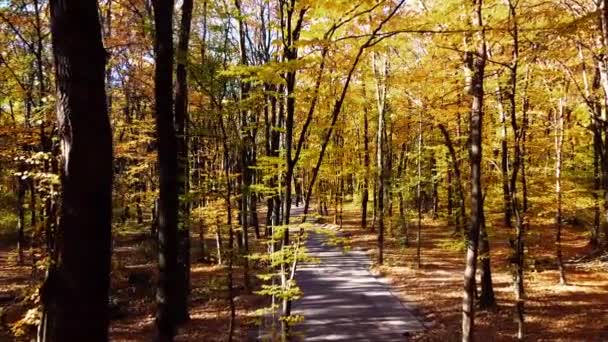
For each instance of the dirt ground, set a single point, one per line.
(574, 312)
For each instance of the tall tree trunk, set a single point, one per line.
(380, 68)
(33, 205)
(181, 314)
(272, 144)
(203, 244)
(504, 159)
(419, 192)
(366, 163)
(247, 143)
(167, 159)
(20, 182)
(380, 180)
(434, 181)
(401, 169)
(253, 205)
(475, 153)
(595, 110)
(228, 196)
(290, 54)
(75, 292)
(218, 240)
(559, 143)
(597, 185)
(374, 206)
(450, 191)
(518, 164)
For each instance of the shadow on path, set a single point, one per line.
(344, 301)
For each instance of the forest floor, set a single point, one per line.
(574, 312)
(133, 293)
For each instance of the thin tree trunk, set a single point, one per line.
(559, 143)
(380, 180)
(475, 153)
(20, 212)
(366, 163)
(374, 206)
(401, 169)
(230, 277)
(450, 192)
(419, 192)
(518, 164)
(246, 145)
(39, 57)
(203, 244)
(218, 240)
(253, 199)
(33, 205)
(504, 159)
(381, 76)
(595, 111)
(435, 194)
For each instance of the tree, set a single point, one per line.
(75, 292)
(477, 64)
(558, 128)
(181, 131)
(167, 291)
(381, 74)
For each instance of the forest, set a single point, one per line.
(303, 170)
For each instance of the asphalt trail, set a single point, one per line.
(344, 301)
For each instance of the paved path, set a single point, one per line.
(343, 301)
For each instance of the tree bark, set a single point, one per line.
(366, 163)
(167, 160)
(381, 75)
(380, 180)
(419, 192)
(75, 292)
(20, 184)
(434, 192)
(475, 154)
(228, 203)
(559, 143)
(401, 169)
(181, 130)
(518, 164)
(595, 110)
